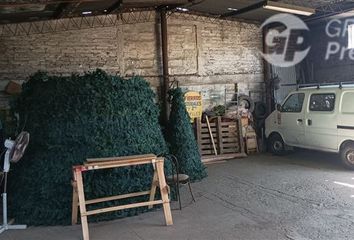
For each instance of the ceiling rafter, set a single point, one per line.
(70, 8)
(75, 23)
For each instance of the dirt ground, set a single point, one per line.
(304, 195)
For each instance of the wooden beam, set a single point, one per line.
(122, 207)
(125, 158)
(118, 197)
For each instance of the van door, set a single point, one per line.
(346, 117)
(291, 119)
(321, 121)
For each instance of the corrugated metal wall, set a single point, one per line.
(286, 76)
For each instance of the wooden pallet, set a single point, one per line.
(227, 137)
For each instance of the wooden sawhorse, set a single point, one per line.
(115, 162)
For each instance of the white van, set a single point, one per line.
(319, 118)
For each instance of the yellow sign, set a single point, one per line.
(194, 106)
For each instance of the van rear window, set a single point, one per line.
(322, 102)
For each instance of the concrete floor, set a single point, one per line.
(305, 195)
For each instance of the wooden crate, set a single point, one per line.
(251, 141)
(227, 136)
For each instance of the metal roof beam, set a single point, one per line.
(47, 2)
(59, 12)
(244, 10)
(117, 5)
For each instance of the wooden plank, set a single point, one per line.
(112, 198)
(226, 130)
(205, 125)
(121, 161)
(206, 141)
(106, 165)
(154, 184)
(233, 133)
(81, 195)
(228, 145)
(229, 134)
(214, 131)
(211, 136)
(207, 135)
(231, 150)
(219, 136)
(242, 146)
(75, 204)
(222, 157)
(229, 129)
(206, 130)
(123, 158)
(197, 128)
(122, 207)
(207, 147)
(207, 152)
(206, 144)
(230, 140)
(229, 124)
(164, 192)
(232, 136)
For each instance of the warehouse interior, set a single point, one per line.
(105, 102)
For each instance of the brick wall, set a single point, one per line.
(204, 56)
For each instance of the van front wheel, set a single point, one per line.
(276, 144)
(347, 155)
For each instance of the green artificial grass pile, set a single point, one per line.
(181, 139)
(74, 118)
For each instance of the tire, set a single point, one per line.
(276, 145)
(347, 155)
(260, 110)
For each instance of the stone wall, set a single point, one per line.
(204, 55)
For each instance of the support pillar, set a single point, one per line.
(165, 73)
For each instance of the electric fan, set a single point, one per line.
(14, 152)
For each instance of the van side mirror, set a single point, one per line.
(278, 107)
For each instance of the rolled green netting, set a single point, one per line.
(181, 139)
(74, 118)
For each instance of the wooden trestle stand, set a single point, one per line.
(115, 162)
